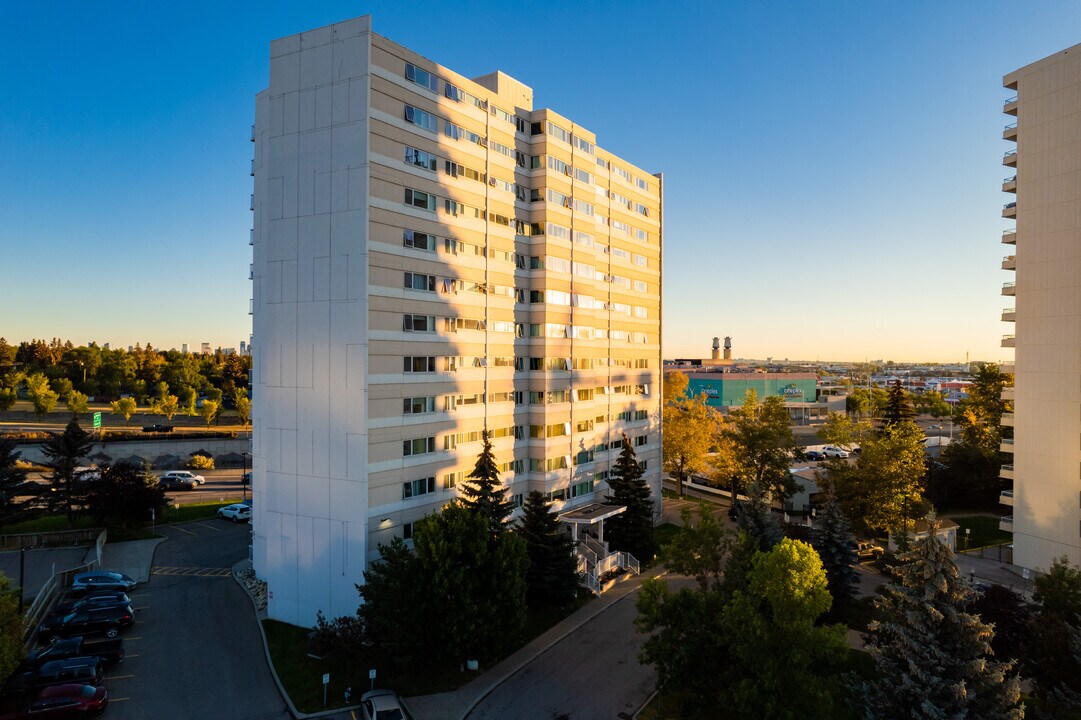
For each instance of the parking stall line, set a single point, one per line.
(174, 527)
(118, 677)
(210, 527)
(135, 637)
(115, 700)
(140, 609)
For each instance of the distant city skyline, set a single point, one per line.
(831, 176)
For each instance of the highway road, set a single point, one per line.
(220, 485)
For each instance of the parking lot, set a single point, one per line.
(194, 651)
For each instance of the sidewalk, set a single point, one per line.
(133, 558)
(995, 572)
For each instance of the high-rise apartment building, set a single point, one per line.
(1046, 261)
(433, 257)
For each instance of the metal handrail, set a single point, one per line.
(1009, 179)
(1008, 153)
(1009, 310)
(1011, 126)
(1007, 467)
(1006, 441)
(1010, 231)
(1009, 284)
(1006, 493)
(1007, 258)
(1009, 205)
(1010, 100)
(1008, 519)
(1009, 337)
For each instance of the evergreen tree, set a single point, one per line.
(552, 577)
(933, 657)
(16, 494)
(898, 406)
(632, 530)
(64, 451)
(758, 521)
(483, 493)
(124, 494)
(837, 548)
(1052, 659)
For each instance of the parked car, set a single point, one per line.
(383, 705)
(169, 483)
(237, 513)
(97, 580)
(62, 702)
(109, 651)
(81, 670)
(814, 455)
(109, 622)
(184, 475)
(866, 550)
(96, 598)
(832, 451)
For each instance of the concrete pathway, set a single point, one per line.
(133, 558)
(40, 564)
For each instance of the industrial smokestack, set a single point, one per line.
(728, 348)
(716, 348)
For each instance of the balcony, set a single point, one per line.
(251, 236)
(251, 271)
(1009, 237)
(1008, 393)
(1009, 262)
(251, 306)
(1010, 106)
(252, 207)
(1009, 210)
(1007, 421)
(252, 171)
(1005, 524)
(1006, 367)
(1005, 445)
(1006, 471)
(253, 133)
(1006, 498)
(1009, 159)
(1010, 184)
(1009, 341)
(1009, 288)
(1009, 314)
(1010, 132)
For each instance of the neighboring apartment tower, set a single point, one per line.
(1046, 467)
(433, 256)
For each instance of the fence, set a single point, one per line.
(53, 585)
(49, 539)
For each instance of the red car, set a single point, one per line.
(61, 702)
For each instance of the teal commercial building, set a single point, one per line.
(725, 390)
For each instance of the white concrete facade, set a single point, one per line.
(1047, 395)
(530, 305)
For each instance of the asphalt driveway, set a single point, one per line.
(195, 650)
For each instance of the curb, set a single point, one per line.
(245, 565)
(548, 646)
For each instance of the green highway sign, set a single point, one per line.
(97, 420)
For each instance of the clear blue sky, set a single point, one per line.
(832, 169)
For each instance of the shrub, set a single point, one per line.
(200, 462)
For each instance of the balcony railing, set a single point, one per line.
(1011, 126)
(1008, 101)
(251, 236)
(1006, 366)
(1005, 497)
(253, 133)
(1009, 206)
(1010, 158)
(1010, 106)
(252, 171)
(1009, 262)
(1009, 288)
(1009, 314)
(1006, 523)
(1009, 341)
(1007, 420)
(1010, 184)
(1010, 132)
(1006, 441)
(1009, 237)
(1008, 393)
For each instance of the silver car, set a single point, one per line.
(382, 705)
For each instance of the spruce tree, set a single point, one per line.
(15, 492)
(837, 548)
(898, 406)
(1053, 655)
(552, 577)
(483, 493)
(757, 519)
(64, 451)
(632, 530)
(934, 658)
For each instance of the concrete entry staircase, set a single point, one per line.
(596, 563)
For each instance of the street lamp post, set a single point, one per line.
(244, 477)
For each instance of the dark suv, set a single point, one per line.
(103, 598)
(81, 670)
(107, 621)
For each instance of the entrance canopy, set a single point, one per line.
(591, 514)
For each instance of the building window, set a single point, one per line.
(418, 240)
(582, 488)
(458, 95)
(422, 200)
(642, 185)
(418, 405)
(420, 158)
(418, 323)
(419, 281)
(457, 170)
(421, 77)
(641, 414)
(421, 118)
(583, 176)
(583, 145)
(457, 132)
(558, 165)
(418, 446)
(451, 480)
(416, 488)
(558, 132)
(419, 364)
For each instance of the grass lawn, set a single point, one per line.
(59, 523)
(302, 676)
(984, 531)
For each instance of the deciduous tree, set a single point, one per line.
(208, 411)
(763, 446)
(78, 402)
(690, 430)
(125, 494)
(632, 530)
(933, 656)
(124, 407)
(167, 406)
(41, 395)
(552, 576)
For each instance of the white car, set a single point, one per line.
(382, 705)
(183, 475)
(832, 451)
(237, 513)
